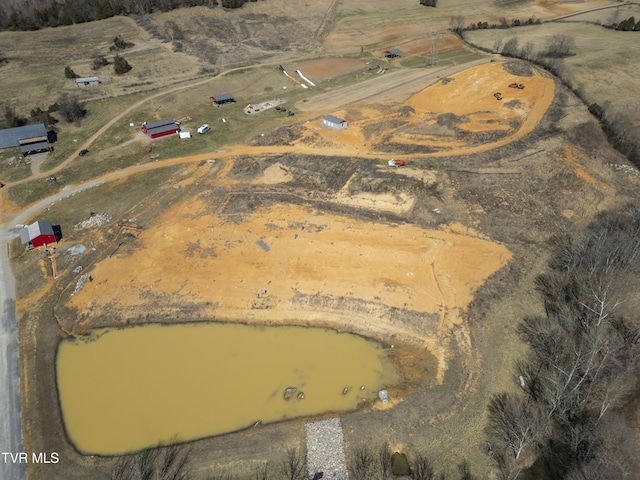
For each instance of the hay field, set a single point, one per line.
(35, 72)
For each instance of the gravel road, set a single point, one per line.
(10, 413)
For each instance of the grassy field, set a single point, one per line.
(34, 75)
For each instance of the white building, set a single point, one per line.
(334, 122)
(83, 82)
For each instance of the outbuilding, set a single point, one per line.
(28, 138)
(334, 122)
(393, 53)
(160, 128)
(222, 99)
(83, 82)
(38, 234)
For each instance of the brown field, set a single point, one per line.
(438, 258)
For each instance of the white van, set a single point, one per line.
(203, 129)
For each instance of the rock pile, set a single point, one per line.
(94, 220)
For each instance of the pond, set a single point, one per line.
(123, 390)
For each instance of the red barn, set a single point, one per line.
(161, 128)
(38, 234)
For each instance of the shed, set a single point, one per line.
(37, 234)
(83, 82)
(222, 99)
(393, 53)
(29, 138)
(161, 128)
(334, 122)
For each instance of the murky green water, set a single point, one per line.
(124, 390)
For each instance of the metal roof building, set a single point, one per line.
(393, 53)
(37, 234)
(81, 82)
(161, 128)
(28, 138)
(223, 98)
(334, 122)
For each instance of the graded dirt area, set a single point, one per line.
(459, 114)
(324, 68)
(312, 267)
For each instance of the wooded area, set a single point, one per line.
(54, 13)
(580, 376)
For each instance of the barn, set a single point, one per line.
(222, 99)
(29, 139)
(161, 128)
(334, 122)
(39, 233)
(393, 53)
(83, 82)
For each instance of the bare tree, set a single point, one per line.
(263, 472)
(465, 471)
(165, 463)
(510, 48)
(560, 45)
(422, 469)
(456, 23)
(362, 465)
(70, 107)
(514, 424)
(385, 462)
(526, 51)
(294, 466)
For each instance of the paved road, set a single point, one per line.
(10, 414)
(10, 419)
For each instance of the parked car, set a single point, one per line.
(203, 129)
(83, 152)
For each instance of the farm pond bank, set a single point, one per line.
(123, 390)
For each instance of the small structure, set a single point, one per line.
(222, 99)
(29, 139)
(393, 53)
(161, 128)
(184, 134)
(38, 234)
(83, 82)
(334, 122)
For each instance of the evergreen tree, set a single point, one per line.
(69, 73)
(120, 65)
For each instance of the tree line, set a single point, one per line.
(581, 373)
(53, 13)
